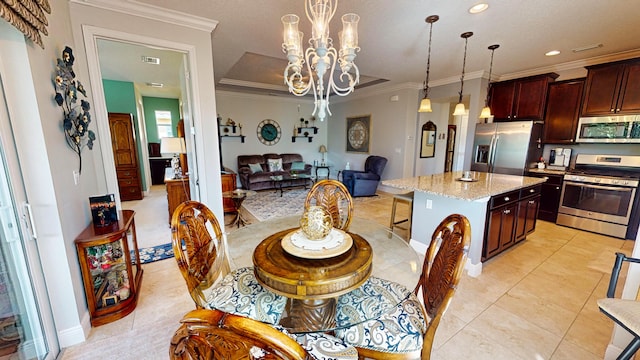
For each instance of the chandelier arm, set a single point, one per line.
(289, 81)
(353, 80)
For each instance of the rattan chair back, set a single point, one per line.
(441, 271)
(213, 334)
(335, 198)
(199, 248)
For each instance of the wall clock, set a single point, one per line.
(269, 132)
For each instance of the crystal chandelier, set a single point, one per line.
(425, 104)
(320, 58)
(460, 110)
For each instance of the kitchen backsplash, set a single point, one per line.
(613, 149)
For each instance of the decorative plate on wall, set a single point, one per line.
(269, 132)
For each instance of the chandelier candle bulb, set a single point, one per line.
(318, 62)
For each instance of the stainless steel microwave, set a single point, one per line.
(609, 129)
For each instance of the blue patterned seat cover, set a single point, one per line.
(399, 330)
(240, 293)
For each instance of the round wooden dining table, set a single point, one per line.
(314, 286)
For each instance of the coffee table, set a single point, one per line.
(281, 182)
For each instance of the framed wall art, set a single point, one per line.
(358, 134)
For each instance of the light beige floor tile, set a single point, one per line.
(558, 272)
(516, 333)
(568, 351)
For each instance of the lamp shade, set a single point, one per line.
(172, 145)
(459, 110)
(425, 105)
(323, 149)
(485, 113)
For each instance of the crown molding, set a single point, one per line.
(152, 12)
(255, 85)
(573, 65)
(244, 95)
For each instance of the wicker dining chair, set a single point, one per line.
(335, 198)
(624, 312)
(214, 334)
(406, 330)
(200, 251)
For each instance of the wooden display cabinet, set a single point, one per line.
(178, 191)
(111, 269)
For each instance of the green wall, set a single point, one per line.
(151, 104)
(120, 98)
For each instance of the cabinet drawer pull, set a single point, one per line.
(507, 211)
(557, 187)
(506, 198)
(532, 190)
(532, 202)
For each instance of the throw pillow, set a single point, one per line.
(255, 168)
(297, 165)
(275, 164)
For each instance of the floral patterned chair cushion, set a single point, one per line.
(326, 347)
(240, 293)
(399, 330)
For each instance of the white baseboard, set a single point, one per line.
(473, 270)
(76, 334)
(612, 352)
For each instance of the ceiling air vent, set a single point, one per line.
(151, 60)
(155, 85)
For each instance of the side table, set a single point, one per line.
(323, 167)
(238, 196)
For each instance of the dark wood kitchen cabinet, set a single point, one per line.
(550, 193)
(125, 156)
(563, 111)
(501, 223)
(520, 98)
(612, 88)
(528, 206)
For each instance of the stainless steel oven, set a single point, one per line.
(600, 203)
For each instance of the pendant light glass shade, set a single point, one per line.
(485, 113)
(486, 110)
(460, 110)
(425, 104)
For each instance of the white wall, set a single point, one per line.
(60, 207)
(249, 110)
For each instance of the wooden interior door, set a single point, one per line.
(125, 156)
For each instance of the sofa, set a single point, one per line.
(259, 177)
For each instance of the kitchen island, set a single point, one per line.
(437, 196)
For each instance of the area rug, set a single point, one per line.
(154, 253)
(267, 204)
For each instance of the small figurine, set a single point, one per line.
(230, 122)
(240, 126)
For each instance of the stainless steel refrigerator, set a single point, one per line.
(507, 147)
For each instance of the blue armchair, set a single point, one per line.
(365, 183)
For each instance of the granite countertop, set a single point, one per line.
(446, 185)
(547, 171)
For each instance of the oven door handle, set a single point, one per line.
(591, 185)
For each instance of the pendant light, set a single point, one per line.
(460, 110)
(425, 104)
(486, 110)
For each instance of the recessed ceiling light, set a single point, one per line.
(552, 53)
(478, 8)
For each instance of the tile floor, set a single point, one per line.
(535, 301)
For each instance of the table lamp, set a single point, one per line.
(323, 150)
(175, 146)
